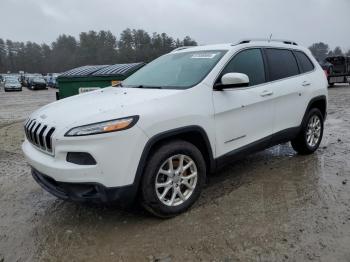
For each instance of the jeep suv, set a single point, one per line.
(165, 128)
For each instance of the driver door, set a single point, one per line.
(244, 115)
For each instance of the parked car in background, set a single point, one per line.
(52, 80)
(10, 76)
(12, 84)
(6, 77)
(26, 78)
(337, 69)
(36, 83)
(52, 83)
(175, 120)
(46, 77)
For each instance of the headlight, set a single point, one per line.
(103, 127)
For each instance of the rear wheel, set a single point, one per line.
(173, 179)
(310, 136)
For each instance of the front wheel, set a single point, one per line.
(173, 179)
(310, 136)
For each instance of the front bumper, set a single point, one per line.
(39, 86)
(117, 157)
(13, 88)
(85, 192)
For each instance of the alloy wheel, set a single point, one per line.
(176, 180)
(313, 131)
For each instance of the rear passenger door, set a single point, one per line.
(287, 87)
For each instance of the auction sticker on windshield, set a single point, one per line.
(205, 55)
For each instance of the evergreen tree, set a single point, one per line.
(134, 45)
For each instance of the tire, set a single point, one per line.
(302, 143)
(160, 159)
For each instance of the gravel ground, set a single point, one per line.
(271, 206)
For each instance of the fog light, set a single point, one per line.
(80, 158)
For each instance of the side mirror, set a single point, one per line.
(231, 80)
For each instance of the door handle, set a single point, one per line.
(266, 93)
(306, 83)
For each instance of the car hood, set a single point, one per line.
(96, 106)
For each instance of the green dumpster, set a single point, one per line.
(89, 78)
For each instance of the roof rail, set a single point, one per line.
(246, 41)
(180, 48)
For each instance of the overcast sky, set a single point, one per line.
(207, 21)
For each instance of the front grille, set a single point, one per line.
(39, 134)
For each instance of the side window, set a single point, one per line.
(304, 62)
(282, 63)
(249, 62)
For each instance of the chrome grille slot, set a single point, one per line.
(48, 138)
(26, 128)
(30, 130)
(39, 135)
(36, 134)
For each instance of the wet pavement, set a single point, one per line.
(271, 206)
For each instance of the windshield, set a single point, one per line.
(37, 79)
(11, 81)
(175, 70)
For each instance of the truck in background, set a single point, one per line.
(337, 69)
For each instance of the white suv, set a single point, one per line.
(180, 117)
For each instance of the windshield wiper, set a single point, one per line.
(151, 87)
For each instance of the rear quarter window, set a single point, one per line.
(304, 61)
(282, 63)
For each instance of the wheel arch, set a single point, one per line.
(319, 102)
(196, 135)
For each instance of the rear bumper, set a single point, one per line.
(86, 192)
